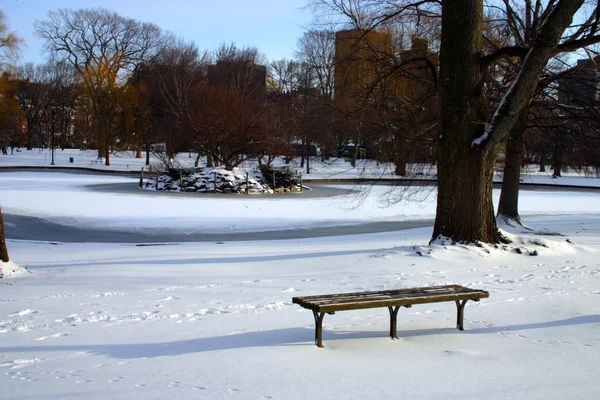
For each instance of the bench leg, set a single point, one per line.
(318, 328)
(393, 321)
(460, 312)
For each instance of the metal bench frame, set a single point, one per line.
(392, 299)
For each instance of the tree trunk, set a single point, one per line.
(147, 153)
(400, 157)
(355, 152)
(465, 212)
(508, 207)
(107, 155)
(470, 141)
(558, 155)
(3, 248)
(29, 138)
(400, 162)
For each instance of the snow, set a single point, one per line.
(9, 270)
(215, 320)
(331, 169)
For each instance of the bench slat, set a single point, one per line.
(387, 298)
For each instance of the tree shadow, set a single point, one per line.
(276, 337)
(226, 259)
(581, 320)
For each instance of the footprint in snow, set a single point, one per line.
(23, 313)
(53, 336)
(168, 298)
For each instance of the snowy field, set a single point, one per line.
(215, 320)
(331, 169)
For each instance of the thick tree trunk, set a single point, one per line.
(3, 248)
(465, 212)
(469, 145)
(508, 207)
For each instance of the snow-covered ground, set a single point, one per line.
(331, 169)
(215, 320)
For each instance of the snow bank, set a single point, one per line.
(10, 270)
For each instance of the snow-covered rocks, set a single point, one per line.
(207, 181)
(10, 270)
(210, 180)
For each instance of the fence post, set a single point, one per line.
(247, 184)
(142, 177)
(215, 182)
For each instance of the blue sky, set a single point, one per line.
(273, 26)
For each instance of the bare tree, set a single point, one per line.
(33, 91)
(239, 69)
(516, 25)
(102, 46)
(284, 75)
(316, 48)
(10, 114)
(9, 43)
(471, 136)
(169, 79)
(223, 125)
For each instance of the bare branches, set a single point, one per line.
(317, 49)
(9, 42)
(369, 15)
(525, 83)
(504, 52)
(99, 43)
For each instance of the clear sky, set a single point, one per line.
(273, 26)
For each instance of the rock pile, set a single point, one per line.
(206, 181)
(216, 181)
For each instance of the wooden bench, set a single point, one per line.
(392, 299)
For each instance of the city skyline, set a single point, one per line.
(272, 26)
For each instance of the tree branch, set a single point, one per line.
(504, 52)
